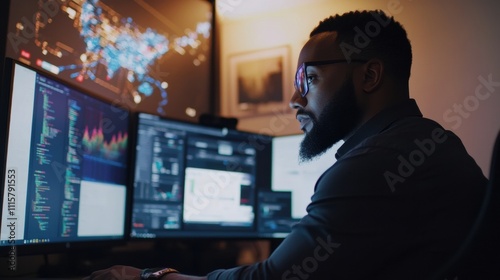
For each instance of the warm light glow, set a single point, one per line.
(137, 99)
(191, 112)
(83, 57)
(71, 13)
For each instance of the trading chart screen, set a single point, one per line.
(65, 166)
(194, 181)
(145, 55)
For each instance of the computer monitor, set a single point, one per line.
(64, 161)
(193, 180)
(143, 54)
(292, 184)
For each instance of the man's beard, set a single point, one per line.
(338, 118)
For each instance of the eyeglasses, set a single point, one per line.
(302, 85)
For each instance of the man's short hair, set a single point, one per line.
(371, 34)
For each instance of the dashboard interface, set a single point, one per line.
(193, 180)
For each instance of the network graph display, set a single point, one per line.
(152, 56)
(69, 154)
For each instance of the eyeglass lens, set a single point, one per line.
(300, 80)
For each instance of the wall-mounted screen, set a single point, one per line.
(145, 55)
(193, 180)
(66, 163)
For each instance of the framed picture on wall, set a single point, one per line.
(260, 82)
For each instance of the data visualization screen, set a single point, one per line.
(65, 164)
(143, 54)
(193, 180)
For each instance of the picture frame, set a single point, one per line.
(260, 82)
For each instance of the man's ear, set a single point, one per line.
(373, 71)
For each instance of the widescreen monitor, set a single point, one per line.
(64, 164)
(192, 180)
(146, 55)
(292, 184)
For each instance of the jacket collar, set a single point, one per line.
(379, 123)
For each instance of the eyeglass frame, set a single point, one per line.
(304, 66)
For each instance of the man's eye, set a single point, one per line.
(311, 78)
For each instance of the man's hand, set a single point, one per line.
(116, 272)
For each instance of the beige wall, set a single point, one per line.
(455, 46)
